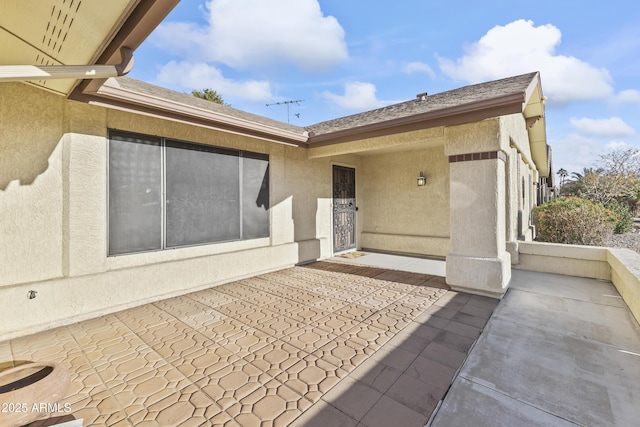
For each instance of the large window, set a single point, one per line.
(166, 194)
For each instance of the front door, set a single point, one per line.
(344, 208)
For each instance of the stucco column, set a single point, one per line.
(478, 262)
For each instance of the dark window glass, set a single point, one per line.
(203, 194)
(255, 196)
(135, 193)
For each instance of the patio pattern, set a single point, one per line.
(328, 344)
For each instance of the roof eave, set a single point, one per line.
(536, 125)
(109, 95)
(459, 114)
(142, 20)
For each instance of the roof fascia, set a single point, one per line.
(124, 99)
(536, 125)
(21, 73)
(535, 101)
(534, 87)
(459, 114)
(142, 20)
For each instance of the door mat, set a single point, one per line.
(354, 254)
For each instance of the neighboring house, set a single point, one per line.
(114, 192)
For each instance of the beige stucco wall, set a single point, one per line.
(509, 135)
(53, 198)
(514, 139)
(478, 261)
(572, 260)
(31, 137)
(491, 201)
(394, 214)
(511, 194)
(513, 133)
(310, 184)
(398, 215)
(625, 276)
(621, 266)
(475, 137)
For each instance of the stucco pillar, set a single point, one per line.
(478, 262)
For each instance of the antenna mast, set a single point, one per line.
(288, 104)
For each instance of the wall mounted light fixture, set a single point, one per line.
(422, 180)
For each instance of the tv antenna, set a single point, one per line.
(288, 104)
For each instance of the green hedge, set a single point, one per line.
(574, 221)
(624, 219)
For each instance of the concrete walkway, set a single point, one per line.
(558, 351)
(412, 264)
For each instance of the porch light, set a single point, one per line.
(422, 180)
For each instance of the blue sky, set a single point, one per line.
(343, 57)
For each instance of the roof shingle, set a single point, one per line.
(439, 101)
(187, 99)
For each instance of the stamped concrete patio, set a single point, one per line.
(328, 344)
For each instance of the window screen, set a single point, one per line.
(165, 194)
(203, 194)
(255, 196)
(135, 193)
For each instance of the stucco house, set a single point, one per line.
(115, 192)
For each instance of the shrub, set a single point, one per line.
(574, 221)
(624, 219)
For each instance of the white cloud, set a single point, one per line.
(573, 152)
(357, 96)
(612, 127)
(200, 75)
(254, 33)
(419, 67)
(628, 96)
(617, 145)
(519, 47)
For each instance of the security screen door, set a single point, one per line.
(344, 208)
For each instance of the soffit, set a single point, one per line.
(534, 114)
(58, 32)
(400, 142)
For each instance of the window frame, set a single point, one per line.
(240, 154)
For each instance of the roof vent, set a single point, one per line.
(422, 96)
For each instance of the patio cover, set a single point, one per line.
(45, 33)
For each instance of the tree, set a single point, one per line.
(574, 186)
(621, 161)
(209, 95)
(617, 177)
(563, 175)
(620, 176)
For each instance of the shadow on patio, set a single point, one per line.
(330, 344)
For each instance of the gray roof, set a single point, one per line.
(439, 101)
(431, 103)
(187, 99)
